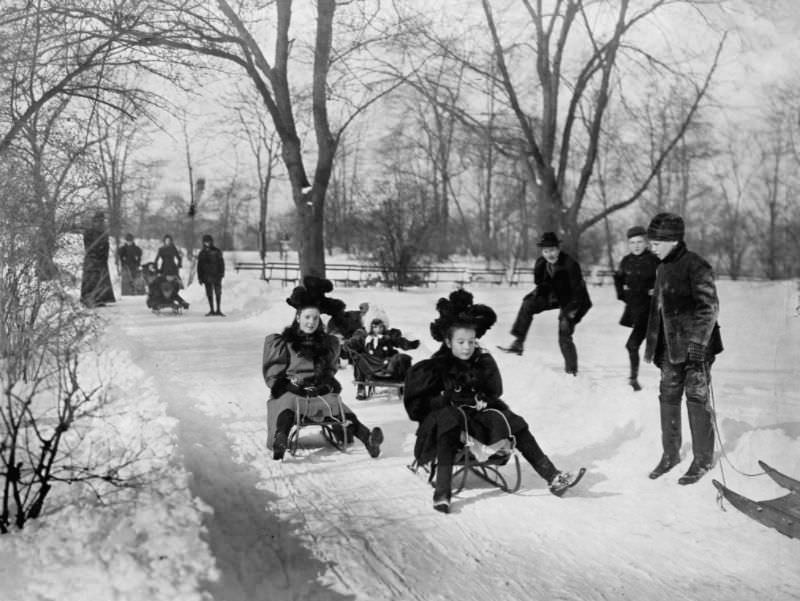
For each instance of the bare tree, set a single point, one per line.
(562, 141)
(225, 33)
(264, 145)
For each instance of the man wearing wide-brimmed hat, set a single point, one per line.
(682, 340)
(559, 285)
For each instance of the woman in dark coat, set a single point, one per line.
(634, 281)
(299, 367)
(168, 259)
(461, 376)
(96, 288)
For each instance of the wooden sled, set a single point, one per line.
(782, 513)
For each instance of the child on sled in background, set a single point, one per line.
(461, 376)
(377, 354)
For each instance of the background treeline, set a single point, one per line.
(398, 133)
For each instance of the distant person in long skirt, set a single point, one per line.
(96, 289)
(682, 340)
(634, 281)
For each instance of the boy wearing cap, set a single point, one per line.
(682, 340)
(559, 285)
(634, 281)
(210, 271)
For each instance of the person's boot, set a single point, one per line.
(670, 439)
(516, 347)
(633, 380)
(664, 465)
(442, 488)
(693, 474)
(570, 354)
(702, 429)
(279, 445)
(361, 393)
(373, 443)
(441, 502)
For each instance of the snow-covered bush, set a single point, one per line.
(48, 406)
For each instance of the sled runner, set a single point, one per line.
(497, 464)
(372, 383)
(372, 373)
(782, 513)
(332, 421)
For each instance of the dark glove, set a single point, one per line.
(696, 353)
(280, 386)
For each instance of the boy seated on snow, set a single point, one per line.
(377, 354)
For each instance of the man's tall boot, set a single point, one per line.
(702, 429)
(670, 439)
(634, 377)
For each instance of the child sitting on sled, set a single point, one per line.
(461, 376)
(376, 355)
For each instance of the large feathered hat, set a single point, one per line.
(312, 294)
(459, 310)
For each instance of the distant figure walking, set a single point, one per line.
(559, 285)
(130, 260)
(634, 281)
(210, 271)
(96, 289)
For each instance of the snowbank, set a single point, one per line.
(135, 544)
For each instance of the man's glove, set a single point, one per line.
(696, 353)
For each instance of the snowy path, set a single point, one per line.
(327, 525)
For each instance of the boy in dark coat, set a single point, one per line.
(210, 271)
(682, 340)
(559, 285)
(634, 281)
(130, 260)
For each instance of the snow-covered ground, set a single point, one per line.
(326, 525)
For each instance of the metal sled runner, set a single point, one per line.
(332, 421)
(782, 514)
(497, 464)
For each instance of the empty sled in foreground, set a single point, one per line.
(782, 513)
